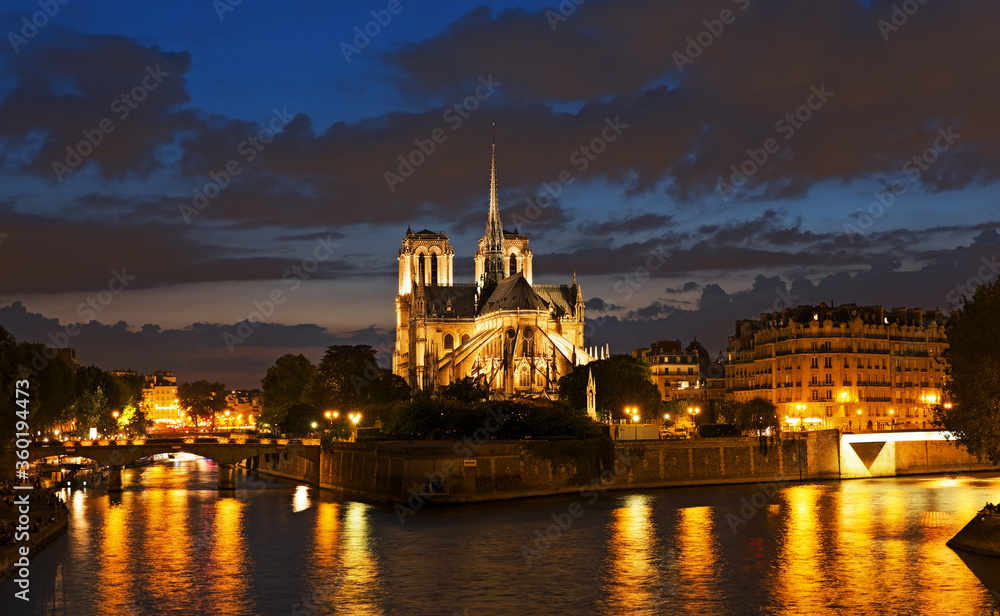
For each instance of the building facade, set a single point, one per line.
(159, 398)
(850, 367)
(676, 370)
(502, 330)
(243, 408)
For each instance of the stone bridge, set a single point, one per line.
(226, 452)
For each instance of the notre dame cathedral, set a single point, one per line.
(517, 337)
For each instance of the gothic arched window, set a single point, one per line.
(513, 264)
(434, 268)
(449, 342)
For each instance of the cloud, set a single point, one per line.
(695, 120)
(686, 288)
(194, 352)
(628, 226)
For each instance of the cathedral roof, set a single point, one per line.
(560, 297)
(462, 298)
(514, 293)
(426, 232)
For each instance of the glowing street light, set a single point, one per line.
(859, 420)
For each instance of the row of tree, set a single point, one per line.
(61, 398)
(297, 393)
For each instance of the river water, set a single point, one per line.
(172, 544)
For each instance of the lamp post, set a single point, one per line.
(859, 420)
(892, 420)
(355, 418)
(692, 412)
(115, 415)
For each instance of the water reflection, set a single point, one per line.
(698, 558)
(632, 549)
(800, 579)
(172, 544)
(359, 586)
(226, 565)
(301, 501)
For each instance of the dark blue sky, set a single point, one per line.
(644, 108)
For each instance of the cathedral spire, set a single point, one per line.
(493, 267)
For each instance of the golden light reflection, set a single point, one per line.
(802, 585)
(115, 572)
(227, 568)
(300, 500)
(633, 549)
(167, 543)
(358, 584)
(699, 552)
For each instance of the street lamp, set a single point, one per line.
(893, 419)
(859, 420)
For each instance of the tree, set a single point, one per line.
(621, 380)
(466, 390)
(388, 387)
(349, 378)
(290, 381)
(757, 415)
(299, 418)
(973, 384)
(202, 398)
(52, 384)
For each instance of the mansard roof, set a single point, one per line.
(514, 293)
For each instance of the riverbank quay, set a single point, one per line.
(47, 519)
(980, 536)
(441, 472)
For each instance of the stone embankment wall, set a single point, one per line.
(498, 470)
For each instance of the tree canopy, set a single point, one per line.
(973, 384)
(349, 377)
(756, 415)
(466, 390)
(621, 381)
(204, 399)
(289, 382)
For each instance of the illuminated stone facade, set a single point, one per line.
(676, 371)
(842, 367)
(159, 397)
(502, 330)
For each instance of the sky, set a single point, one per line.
(203, 186)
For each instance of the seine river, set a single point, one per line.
(172, 544)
